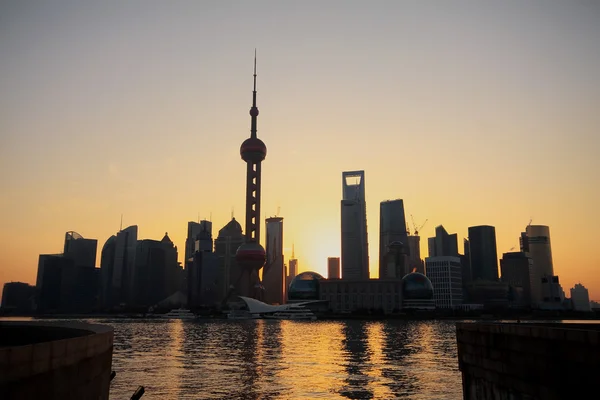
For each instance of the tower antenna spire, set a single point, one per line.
(254, 109)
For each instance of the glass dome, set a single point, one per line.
(416, 286)
(305, 286)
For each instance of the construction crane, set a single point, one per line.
(417, 229)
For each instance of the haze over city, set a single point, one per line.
(472, 113)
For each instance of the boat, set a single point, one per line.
(179, 313)
(293, 313)
(242, 314)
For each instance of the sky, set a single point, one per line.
(473, 112)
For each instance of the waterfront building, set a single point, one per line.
(580, 298)
(446, 278)
(483, 253)
(392, 228)
(443, 244)
(415, 263)
(395, 261)
(251, 256)
(355, 248)
(538, 243)
(117, 263)
(333, 268)
(553, 294)
(517, 270)
(195, 229)
(62, 286)
(417, 293)
(305, 286)
(81, 250)
(292, 269)
(273, 272)
(362, 295)
(157, 273)
(230, 238)
(17, 297)
(203, 280)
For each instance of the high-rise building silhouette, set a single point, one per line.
(156, 273)
(273, 272)
(445, 275)
(540, 251)
(483, 253)
(81, 250)
(18, 297)
(517, 271)
(415, 263)
(443, 244)
(392, 228)
(194, 229)
(251, 255)
(116, 267)
(580, 298)
(292, 270)
(230, 238)
(333, 268)
(355, 247)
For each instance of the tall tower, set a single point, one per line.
(540, 251)
(355, 251)
(392, 229)
(251, 256)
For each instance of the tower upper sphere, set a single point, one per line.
(253, 149)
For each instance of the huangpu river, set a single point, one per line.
(269, 359)
(272, 359)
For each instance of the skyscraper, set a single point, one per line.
(540, 251)
(81, 251)
(580, 298)
(122, 266)
(333, 268)
(443, 244)
(273, 272)
(194, 229)
(355, 249)
(445, 275)
(292, 269)
(483, 253)
(251, 255)
(392, 228)
(415, 263)
(517, 270)
(229, 239)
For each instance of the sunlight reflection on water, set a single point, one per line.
(285, 359)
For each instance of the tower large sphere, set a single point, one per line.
(253, 149)
(251, 255)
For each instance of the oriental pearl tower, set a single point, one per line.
(251, 256)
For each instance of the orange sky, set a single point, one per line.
(472, 115)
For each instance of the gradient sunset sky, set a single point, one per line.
(473, 112)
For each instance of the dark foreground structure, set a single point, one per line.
(55, 361)
(528, 360)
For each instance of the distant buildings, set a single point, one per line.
(230, 238)
(580, 298)
(355, 253)
(517, 271)
(537, 241)
(392, 228)
(117, 263)
(443, 244)
(202, 271)
(445, 275)
(292, 270)
(415, 263)
(17, 297)
(68, 282)
(194, 229)
(553, 294)
(333, 268)
(156, 273)
(273, 272)
(483, 253)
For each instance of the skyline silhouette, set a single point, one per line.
(472, 115)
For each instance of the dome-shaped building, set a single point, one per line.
(305, 286)
(417, 292)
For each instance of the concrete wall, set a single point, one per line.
(528, 361)
(55, 360)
